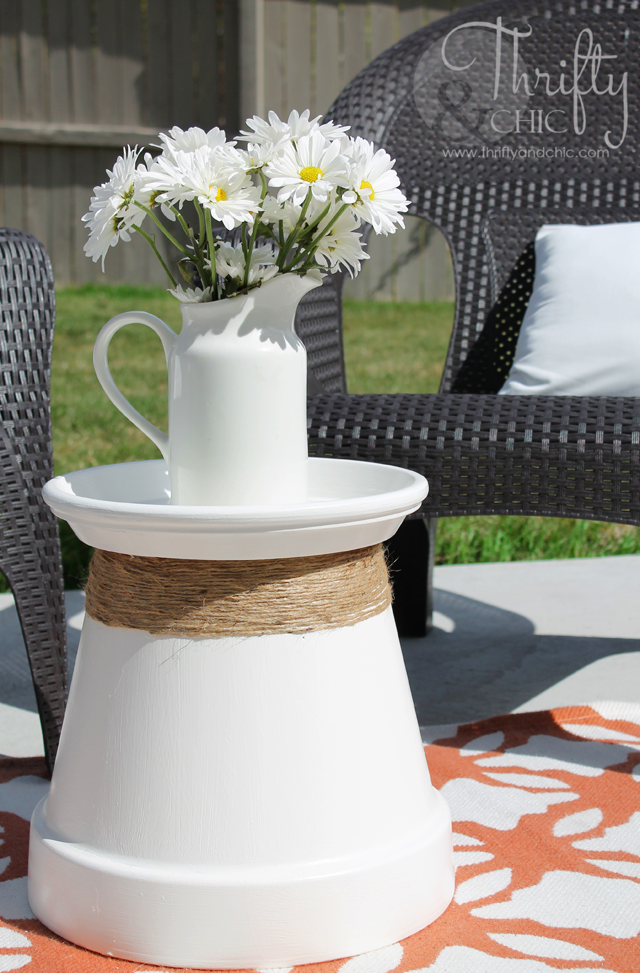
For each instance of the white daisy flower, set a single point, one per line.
(256, 156)
(191, 295)
(374, 192)
(313, 163)
(204, 175)
(194, 138)
(311, 167)
(165, 176)
(251, 159)
(332, 131)
(147, 180)
(273, 212)
(113, 210)
(342, 245)
(230, 262)
(275, 131)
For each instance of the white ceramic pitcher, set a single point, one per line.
(237, 396)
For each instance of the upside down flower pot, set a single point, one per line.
(236, 799)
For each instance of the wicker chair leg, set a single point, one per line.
(40, 605)
(411, 556)
(42, 619)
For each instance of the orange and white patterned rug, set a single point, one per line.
(546, 811)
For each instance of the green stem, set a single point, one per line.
(309, 255)
(212, 253)
(247, 261)
(318, 219)
(332, 221)
(181, 220)
(306, 266)
(153, 246)
(248, 251)
(168, 235)
(284, 253)
(198, 260)
(198, 244)
(302, 257)
(267, 231)
(201, 222)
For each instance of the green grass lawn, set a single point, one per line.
(396, 347)
(388, 348)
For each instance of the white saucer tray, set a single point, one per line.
(246, 802)
(127, 508)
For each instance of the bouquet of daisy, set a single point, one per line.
(295, 195)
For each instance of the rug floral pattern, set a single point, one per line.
(546, 811)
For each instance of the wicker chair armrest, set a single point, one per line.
(494, 454)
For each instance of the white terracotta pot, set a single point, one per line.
(237, 396)
(239, 802)
(234, 803)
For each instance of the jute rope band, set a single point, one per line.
(214, 599)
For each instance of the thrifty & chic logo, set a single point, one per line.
(473, 87)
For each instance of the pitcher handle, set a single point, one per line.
(101, 365)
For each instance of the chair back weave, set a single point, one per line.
(489, 153)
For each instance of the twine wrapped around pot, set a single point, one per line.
(216, 599)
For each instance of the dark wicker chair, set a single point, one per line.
(29, 543)
(483, 453)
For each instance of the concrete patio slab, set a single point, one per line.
(528, 635)
(507, 637)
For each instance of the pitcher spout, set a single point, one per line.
(281, 295)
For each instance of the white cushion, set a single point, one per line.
(581, 331)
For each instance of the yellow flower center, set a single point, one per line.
(310, 173)
(367, 185)
(220, 195)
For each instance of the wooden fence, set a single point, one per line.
(80, 78)
(301, 53)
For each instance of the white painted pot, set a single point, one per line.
(237, 396)
(241, 802)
